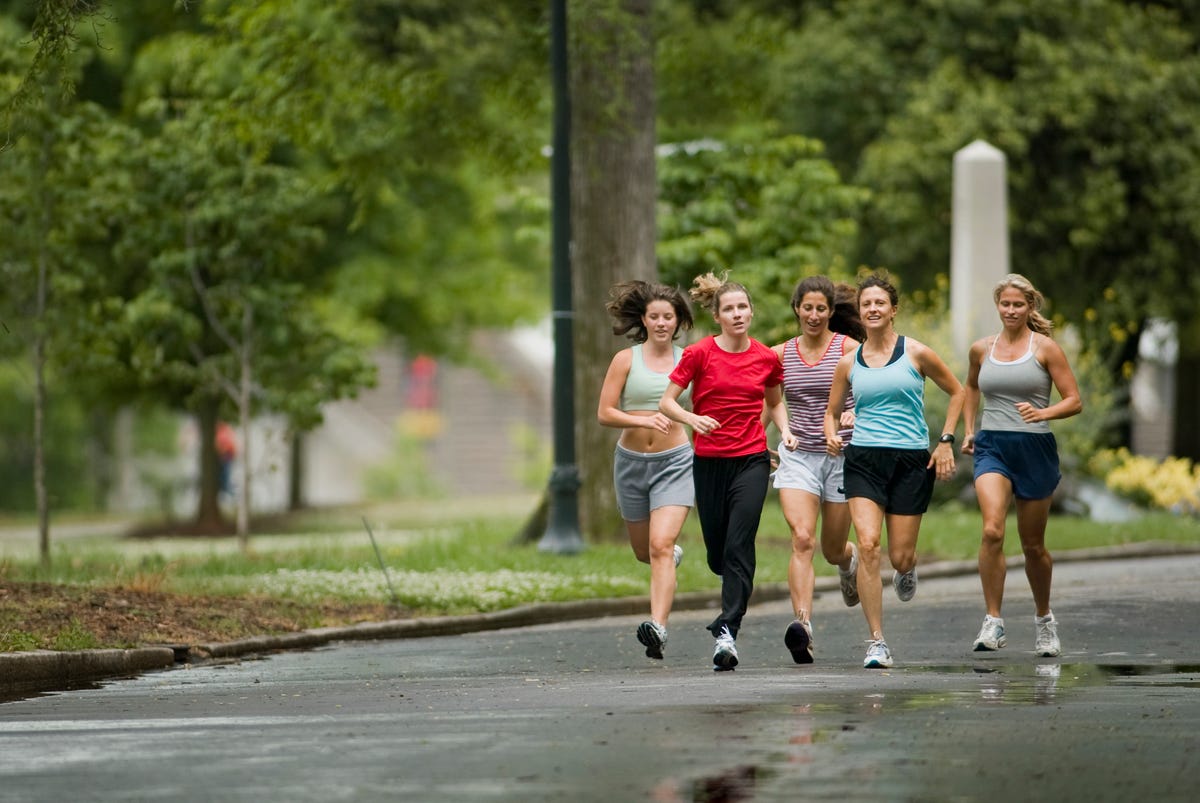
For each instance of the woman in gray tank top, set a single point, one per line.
(1016, 456)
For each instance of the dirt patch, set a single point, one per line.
(56, 617)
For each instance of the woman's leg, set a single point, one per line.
(1032, 515)
(800, 510)
(639, 539)
(664, 527)
(747, 492)
(835, 534)
(994, 492)
(868, 527)
(709, 475)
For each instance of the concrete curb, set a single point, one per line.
(44, 670)
(47, 670)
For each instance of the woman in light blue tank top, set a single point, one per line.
(652, 467)
(1016, 457)
(888, 473)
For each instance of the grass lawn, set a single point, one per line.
(452, 558)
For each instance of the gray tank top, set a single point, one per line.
(1003, 384)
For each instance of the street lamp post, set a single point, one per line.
(562, 532)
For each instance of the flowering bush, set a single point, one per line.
(1171, 484)
(440, 589)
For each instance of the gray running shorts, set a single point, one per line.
(646, 481)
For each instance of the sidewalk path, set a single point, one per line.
(27, 673)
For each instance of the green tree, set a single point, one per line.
(60, 201)
(768, 212)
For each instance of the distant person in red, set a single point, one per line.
(227, 449)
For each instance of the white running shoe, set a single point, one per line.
(1047, 644)
(678, 555)
(725, 655)
(849, 579)
(905, 584)
(878, 655)
(991, 635)
(654, 637)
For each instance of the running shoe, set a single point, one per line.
(1047, 644)
(725, 655)
(654, 637)
(991, 635)
(849, 579)
(799, 640)
(678, 555)
(905, 584)
(878, 655)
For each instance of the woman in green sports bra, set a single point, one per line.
(652, 467)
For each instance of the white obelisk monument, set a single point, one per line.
(978, 242)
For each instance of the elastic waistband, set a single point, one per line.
(647, 456)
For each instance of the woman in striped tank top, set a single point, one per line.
(1016, 456)
(809, 480)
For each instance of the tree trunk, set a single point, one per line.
(208, 512)
(245, 382)
(613, 195)
(42, 498)
(1187, 391)
(296, 473)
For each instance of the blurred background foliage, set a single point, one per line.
(361, 171)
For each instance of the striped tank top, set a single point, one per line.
(806, 388)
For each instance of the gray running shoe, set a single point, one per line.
(1047, 644)
(905, 584)
(678, 555)
(878, 655)
(654, 637)
(991, 635)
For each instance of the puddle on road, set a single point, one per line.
(826, 719)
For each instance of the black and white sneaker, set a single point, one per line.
(654, 637)
(725, 655)
(799, 640)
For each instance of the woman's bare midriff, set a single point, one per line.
(649, 441)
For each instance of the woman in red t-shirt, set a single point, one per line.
(731, 374)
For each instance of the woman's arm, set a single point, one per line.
(609, 412)
(1054, 358)
(837, 400)
(670, 407)
(972, 395)
(774, 401)
(932, 366)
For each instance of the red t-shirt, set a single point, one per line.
(730, 388)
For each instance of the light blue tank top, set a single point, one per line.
(643, 387)
(1003, 384)
(889, 402)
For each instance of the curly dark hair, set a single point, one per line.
(628, 303)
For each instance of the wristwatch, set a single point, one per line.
(947, 438)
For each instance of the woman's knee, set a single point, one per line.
(803, 540)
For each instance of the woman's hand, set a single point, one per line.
(942, 460)
(658, 422)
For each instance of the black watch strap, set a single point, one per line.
(947, 438)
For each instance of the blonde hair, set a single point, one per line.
(1033, 297)
(708, 289)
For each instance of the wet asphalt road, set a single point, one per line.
(576, 712)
